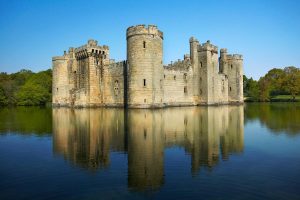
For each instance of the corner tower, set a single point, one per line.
(145, 66)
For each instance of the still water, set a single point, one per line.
(225, 152)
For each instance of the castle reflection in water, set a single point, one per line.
(86, 137)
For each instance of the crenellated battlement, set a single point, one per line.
(223, 50)
(58, 58)
(114, 64)
(179, 65)
(235, 56)
(91, 49)
(193, 39)
(207, 46)
(143, 30)
(92, 45)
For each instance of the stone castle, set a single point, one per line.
(87, 77)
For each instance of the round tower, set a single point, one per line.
(222, 62)
(145, 66)
(60, 83)
(235, 79)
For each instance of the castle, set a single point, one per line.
(87, 77)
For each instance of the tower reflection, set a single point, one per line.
(85, 137)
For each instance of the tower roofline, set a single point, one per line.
(142, 29)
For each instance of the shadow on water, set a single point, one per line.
(86, 137)
(278, 117)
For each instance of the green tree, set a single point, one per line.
(32, 95)
(3, 98)
(253, 89)
(36, 90)
(264, 89)
(291, 81)
(275, 78)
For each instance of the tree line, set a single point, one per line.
(27, 88)
(276, 82)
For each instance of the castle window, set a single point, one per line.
(92, 50)
(164, 76)
(231, 66)
(200, 79)
(200, 64)
(96, 51)
(185, 89)
(175, 78)
(145, 134)
(144, 44)
(144, 100)
(223, 87)
(116, 88)
(185, 76)
(229, 88)
(144, 82)
(200, 91)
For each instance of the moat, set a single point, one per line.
(249, 151)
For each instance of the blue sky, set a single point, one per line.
(265, 32)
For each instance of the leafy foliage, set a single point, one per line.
(275, 82)
(25, 88)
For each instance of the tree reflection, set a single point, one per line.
(85, 137)
(26, 120)
(279, 117)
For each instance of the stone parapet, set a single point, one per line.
(143, 30)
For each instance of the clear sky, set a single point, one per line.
(265, 32)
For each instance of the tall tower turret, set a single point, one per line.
(92, 60)
(60, 83)
(222, 62)
(235, 78)
(145, 67)
(208, 61)
(194, 43)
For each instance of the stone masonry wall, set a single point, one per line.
(145, 67)
(178, 81)
(87, 77)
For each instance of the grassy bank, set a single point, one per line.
(278, 98)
